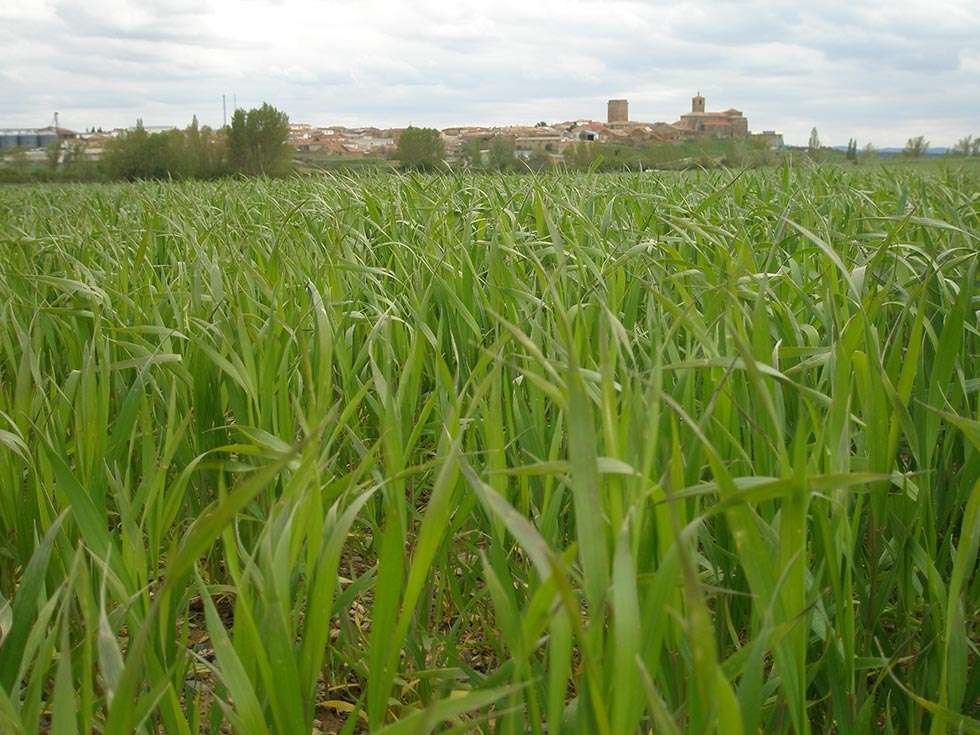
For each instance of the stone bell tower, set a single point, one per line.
(618, 111)
(697, 103)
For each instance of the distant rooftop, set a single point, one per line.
(726, 113)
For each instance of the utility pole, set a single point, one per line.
(56, 122)
(224, 113)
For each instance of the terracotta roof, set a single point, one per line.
(726, 113)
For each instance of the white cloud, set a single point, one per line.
(879, 70)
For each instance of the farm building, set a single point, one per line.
(32, 137)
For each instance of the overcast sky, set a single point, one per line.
(879, 71)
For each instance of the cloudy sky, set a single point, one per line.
(875, 70)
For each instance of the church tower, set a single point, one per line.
(697, 103)
(618, 111)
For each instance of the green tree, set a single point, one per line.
(964, 146)
(202, 152)
(539, 160)
(191, 149)
(421, 149)
(54, 153)
(258, 142)
(735, 154)
(471, 152)
(916, 147)
(582, 155)
(73, 154)
(814, 144)
(175, 154)
(852, 150)
(869, 152)
(501, 157)
(17, 158)
(212, 153)
(127, 156)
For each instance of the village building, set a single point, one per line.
(728, 124)
(770, 138)
(28, 138)
(552, 140)
(698, 123)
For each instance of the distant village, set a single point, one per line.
(542, 139)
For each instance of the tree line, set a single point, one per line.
(256, 143)
(915, 147)
(968, 146)
(423, 149)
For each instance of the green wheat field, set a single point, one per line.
(570, 453)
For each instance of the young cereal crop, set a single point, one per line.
(686, 453)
